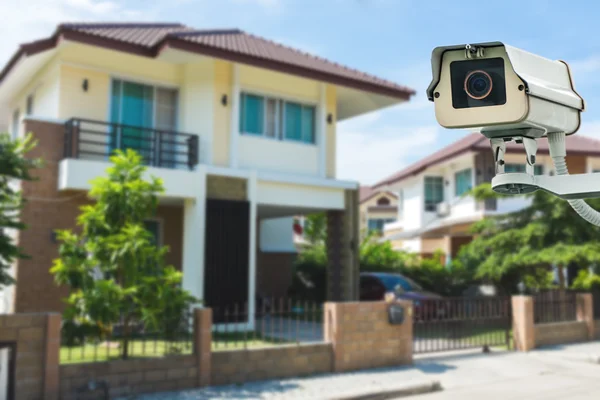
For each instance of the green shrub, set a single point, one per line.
(587, 281)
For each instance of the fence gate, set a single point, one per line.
(7, 370)
(461, 323)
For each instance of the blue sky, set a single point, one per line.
(389, 38)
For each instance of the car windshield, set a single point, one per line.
(392, 281)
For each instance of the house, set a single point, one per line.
(242, 131)
(433, 211)
(377, 208)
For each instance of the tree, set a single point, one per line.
(14, 166)
(520, 246)
(315, 228)
(116, 273)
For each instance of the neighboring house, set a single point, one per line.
(376, 209)
(242, 131)
(434, 213)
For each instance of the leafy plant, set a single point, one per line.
(117, 275)
(14, 166)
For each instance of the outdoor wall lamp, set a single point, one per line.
(224, 99)
(53, 237)
(329, 118)
(85, 85)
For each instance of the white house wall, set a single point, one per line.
(276, 235)
(300, 196)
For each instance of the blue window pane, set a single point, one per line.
(252, 114)
(293, 121)
(462, 182)
(308, 124)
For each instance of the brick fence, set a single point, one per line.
(356, 336)
(528, 335)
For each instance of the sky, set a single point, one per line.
(392, 39)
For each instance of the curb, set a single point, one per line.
(403, 391)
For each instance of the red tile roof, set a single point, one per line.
(576, 144)
(367, 192)
(230, 44)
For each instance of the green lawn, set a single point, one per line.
(160, 348)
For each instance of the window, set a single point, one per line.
(383, 201)
(276, 118)
(16, 121)
(462, 182)
(376, 224)
(537, 170)
(139, 105)
(153, 226)
(29, 108)
(434, 192)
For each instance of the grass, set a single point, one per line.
(97, 352)
(93, 352)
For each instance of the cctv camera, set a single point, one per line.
(503, 91)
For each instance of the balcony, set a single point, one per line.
(96, 140)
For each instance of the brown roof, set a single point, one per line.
(231, 44)
(367, 192)
(576, 144)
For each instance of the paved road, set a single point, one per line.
(563, 372)
(550, 374)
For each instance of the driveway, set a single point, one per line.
(548, 374)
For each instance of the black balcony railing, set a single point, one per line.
(97, 140)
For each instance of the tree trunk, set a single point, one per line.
(126, 338)
(561, 292)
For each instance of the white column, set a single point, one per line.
(252, 196)
(235, 118)
(322, 130)
(194, 226)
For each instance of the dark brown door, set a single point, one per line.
(226, 258)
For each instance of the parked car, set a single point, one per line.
(427, 305)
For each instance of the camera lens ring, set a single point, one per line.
(486, 78)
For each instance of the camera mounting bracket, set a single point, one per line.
(568, 187)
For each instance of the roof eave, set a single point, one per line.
(174, 42)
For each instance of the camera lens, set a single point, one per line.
(478, 84)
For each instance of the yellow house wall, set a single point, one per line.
(223, 71)
(331, 101)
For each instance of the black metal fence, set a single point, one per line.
(554, 306)
(82, 343)
(96, 140)
(461, 323)
(272, 322)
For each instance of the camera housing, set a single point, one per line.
(503, 91)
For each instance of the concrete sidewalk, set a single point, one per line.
(551, 373)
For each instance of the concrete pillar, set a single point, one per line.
(362, 336)
(523, 323)
(585, 313)
(202, 344)
(343, 240)
(194, 226)
(322, 130)
(234, 124)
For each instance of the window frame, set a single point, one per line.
(461, 173)
(384, 221)
(441, 178)
(280, 102)
(15, 123)
(29, 104)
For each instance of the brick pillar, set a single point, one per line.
(585, 313)
(362, 337)
(343, 238)
(52, 357)
(202, 344)
(523, 323)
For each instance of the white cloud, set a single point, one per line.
(586, 65)
(368, 153)
(24, 21)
